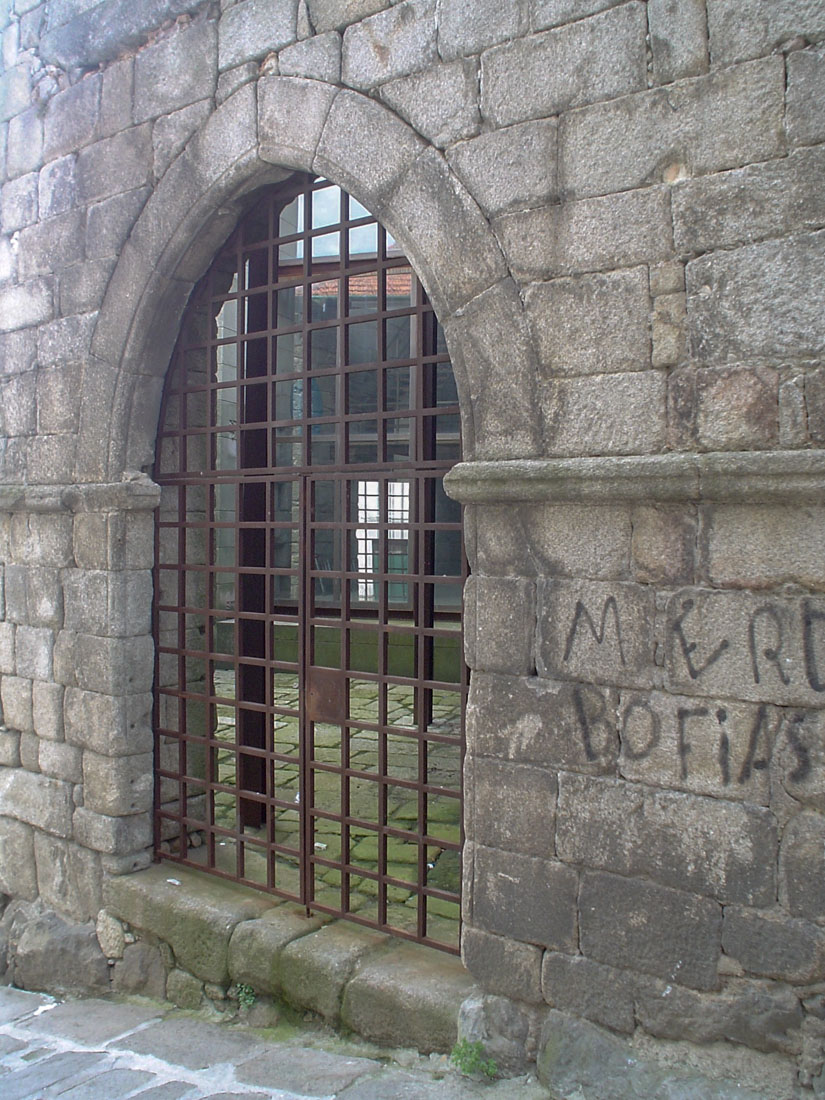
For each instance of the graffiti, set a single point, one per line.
(689, 648)
(770, 653)
(582, 614)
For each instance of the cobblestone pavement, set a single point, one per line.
(114, 1050)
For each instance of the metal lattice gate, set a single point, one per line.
(310, 680)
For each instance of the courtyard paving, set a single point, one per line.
(114, 1050)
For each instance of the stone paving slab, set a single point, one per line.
(105, 1049)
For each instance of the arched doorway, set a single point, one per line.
(310, 682)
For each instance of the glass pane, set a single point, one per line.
(401, 705)
(362, 441)
(227, 320)
(290, 256)
(289, 353)
(327, 246)
(362, 341)
(326, 502)
(396, 388)
(363, 241)
(289, 306)
(291, 220)
(323, 396)
(323, 348)
(226, 363)
(356, 210)
(326, 206)
(226, 406)
(324, 300)
(445, 388)
(399, 430)
(400, 288)
(362, 392)
(226, 451)
(400, 337)
(363, 293)
(256, 268)
(289, 400)
(255, 313)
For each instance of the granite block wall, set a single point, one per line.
(616, 208)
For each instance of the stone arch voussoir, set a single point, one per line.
(257, 136)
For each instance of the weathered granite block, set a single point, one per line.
(764, 200)
(524, 824)
(746, 646)
(60, 957)
(719, 748)
(407, 996)
(41, 539)
(770, 945)
(702, 125)
(16, 698)
(108, 603)
(763, 530)
(678, 38)
(112, 725)
(470, 26)
(761, 300)
(18, 878)
(19, 203)
(108, 223)
(117, 786)
(178, 70)
(802, 866)
(109, 665)
(555, 725)
(505, 967)
(764, 1016)
(24, 151)
(391, 43)
(805, 97)
(597, 632)
(524, 898)
(330, 15)
(441, 103)
(592, 324)
(112, 541)
(513, 167)
(34, 647)
(59, 760)
(599, 993)
(594, 234)
(650, 928)
(115, 164)
(69, 877)
(542, 75)
(111, 835)
(196, 921)
(256, 945)
(314, 969)
(747, 28)
(725, 850)
(500, 616)
(253, 28)
(71, 118)
(317, 58)
(663, 545)
(37, 800)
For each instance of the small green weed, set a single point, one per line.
(468, 1058)
(246, 996)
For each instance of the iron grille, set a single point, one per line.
(310, 680)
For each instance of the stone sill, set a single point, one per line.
(750, 477)
(389, 991)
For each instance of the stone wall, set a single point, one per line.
(617, 210)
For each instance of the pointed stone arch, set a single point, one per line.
(257, 136)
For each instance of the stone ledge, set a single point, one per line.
(737, 476)
(391, 992)
(138, 493)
